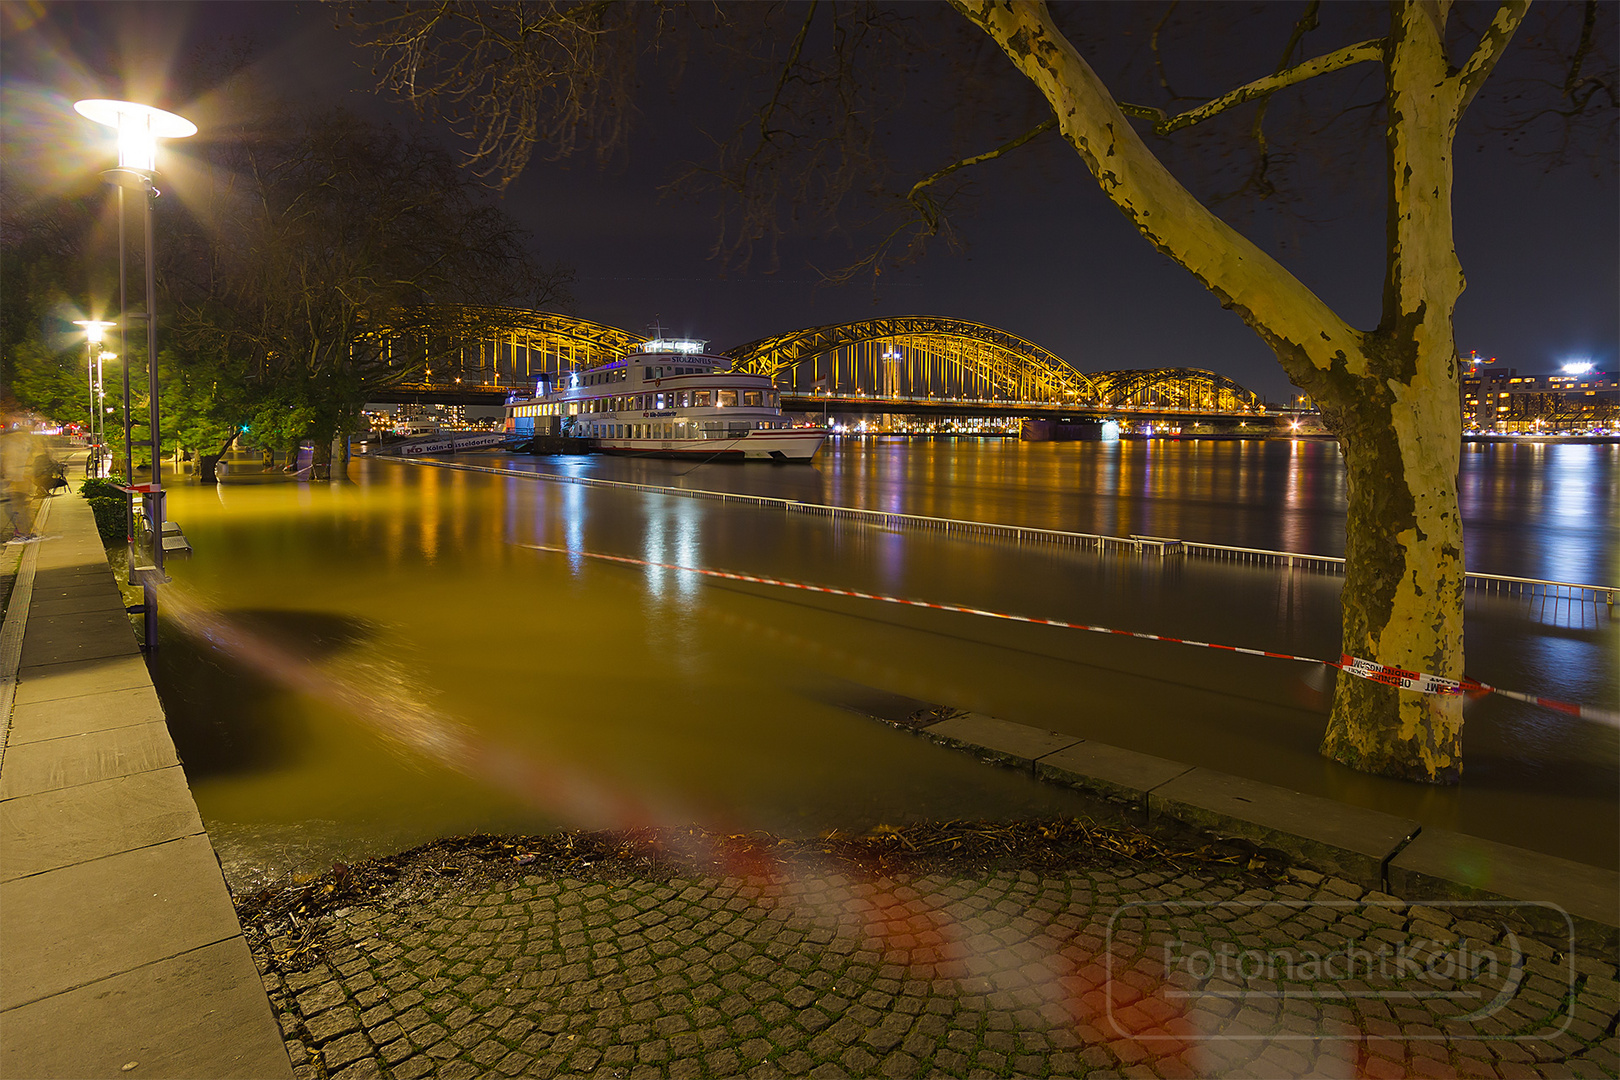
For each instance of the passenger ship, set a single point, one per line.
(667, 399)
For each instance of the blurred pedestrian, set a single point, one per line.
(18, 452)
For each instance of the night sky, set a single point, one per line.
(1047, 257)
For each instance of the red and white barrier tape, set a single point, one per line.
(1416, 681)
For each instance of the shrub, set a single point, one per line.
(101, 488)
(107, 503)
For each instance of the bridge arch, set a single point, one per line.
(917, 356)
(1177, 388)
(471, 345)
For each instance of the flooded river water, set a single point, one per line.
(353, 668)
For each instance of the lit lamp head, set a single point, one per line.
(139, 128)
(95, 331)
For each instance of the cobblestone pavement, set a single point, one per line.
(828, 973)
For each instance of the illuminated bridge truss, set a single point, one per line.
(951, 359)
(445, 347)
(445, 350)
(917, 357)
(1192, 389)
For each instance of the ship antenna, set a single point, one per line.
(657, 328)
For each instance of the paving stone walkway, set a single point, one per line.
(813, 971)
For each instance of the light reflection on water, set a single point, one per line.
(724, 697)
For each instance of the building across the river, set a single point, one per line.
(1577, 400)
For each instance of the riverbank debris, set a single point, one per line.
(286, 918)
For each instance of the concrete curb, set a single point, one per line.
(1379, 852)
(1455, 866)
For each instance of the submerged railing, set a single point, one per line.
(1152, 546)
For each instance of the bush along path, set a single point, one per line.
(1030, 949)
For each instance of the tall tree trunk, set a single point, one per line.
(1390, 394)
(320, 454)
(1402, 594)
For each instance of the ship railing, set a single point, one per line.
(1160, 547)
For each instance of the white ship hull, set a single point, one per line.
(782, 444)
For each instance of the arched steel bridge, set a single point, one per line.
(922, 358)
(477, 355)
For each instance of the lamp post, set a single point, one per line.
(101, 404)
(139, 128)
(95, 331)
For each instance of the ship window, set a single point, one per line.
(682, 400)
(751, 397)
(727, 398)
(701, 398)
(658, 401)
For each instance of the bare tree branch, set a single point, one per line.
(1158, 56)
(1573, 79)
(1489, 50)
(1258, 180)
(1163, 124)
(929, 209)
(508, 77)
(928, 218)
(788, 65)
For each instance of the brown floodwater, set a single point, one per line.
(354, 668)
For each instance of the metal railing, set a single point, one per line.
(1154, 546)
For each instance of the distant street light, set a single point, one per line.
(95, 331)
(139, 127)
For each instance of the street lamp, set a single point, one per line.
(139, 127)
(95, 331)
